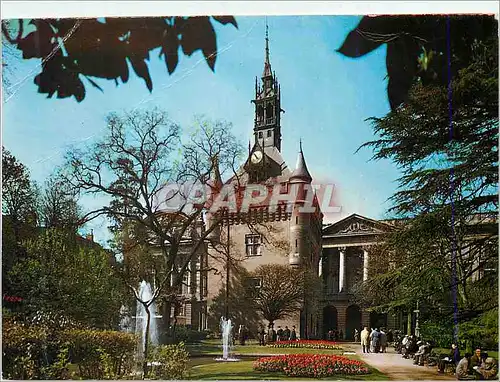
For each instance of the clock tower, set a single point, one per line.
(267, 128)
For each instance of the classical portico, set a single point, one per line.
(345, 263)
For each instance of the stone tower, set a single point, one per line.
(267, 127)
(300, 220)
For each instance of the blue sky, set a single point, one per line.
(326, 96)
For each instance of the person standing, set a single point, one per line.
(286, 334)
(383, 341)
(280, 333)
(241, 335)
(293, 334)
(261, 335)
(356, 335)
(365, 340)
(375, 340)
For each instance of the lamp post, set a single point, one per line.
(417, 327)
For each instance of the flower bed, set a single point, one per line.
(310, 344)
(311, 365)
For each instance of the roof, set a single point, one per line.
(301, 171)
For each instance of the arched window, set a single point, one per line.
(269, 111)
(260, 113)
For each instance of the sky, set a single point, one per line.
(326, 98)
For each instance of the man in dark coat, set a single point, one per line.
(452, 359)
(293, 334)
(286, 334)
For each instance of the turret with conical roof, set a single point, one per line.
(301, 219)
(301, 173)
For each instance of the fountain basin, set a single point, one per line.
(220, 359)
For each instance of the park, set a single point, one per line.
(165, 218)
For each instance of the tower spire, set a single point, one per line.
(267, 63)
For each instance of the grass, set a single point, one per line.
(203, 365)
(212, 348)
(243, 370)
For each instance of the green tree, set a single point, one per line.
(67, 275)
(74, 49)
(19, 214)
(445, 141)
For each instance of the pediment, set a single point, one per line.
(355, 225)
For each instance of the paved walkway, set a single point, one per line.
(397, 368)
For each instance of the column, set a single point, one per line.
(320, 266)
(365, 264)
(341, 268)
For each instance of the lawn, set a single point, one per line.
(214, 348)
(204, 366)
(244, 370)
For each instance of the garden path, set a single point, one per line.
(398, 368)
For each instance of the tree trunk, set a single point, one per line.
(146, 344)
(408, 324)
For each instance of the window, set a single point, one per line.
(268, 133)
(284, 188)
(253, 284)
(252, 244)
(260, 134)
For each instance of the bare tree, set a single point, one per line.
(135, 165)
(58, 205)
(283, 290)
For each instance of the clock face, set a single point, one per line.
(256, 157)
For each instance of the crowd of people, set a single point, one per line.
(276, 335)
(374, 341)
(478, 366)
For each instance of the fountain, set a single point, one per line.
(145, 294)
(226, 327)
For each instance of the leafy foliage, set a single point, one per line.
(171, 362)
(430, 48)
(73, 49)
(101, 354)
(64, 274)
(38, 351)
(445, 253)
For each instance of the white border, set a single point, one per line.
(40, 9)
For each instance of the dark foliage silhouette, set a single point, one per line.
(73, 49)
(430, 48)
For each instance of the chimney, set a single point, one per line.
(90, 236)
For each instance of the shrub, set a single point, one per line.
(169, 362)
(187, 335)
(310, 344)
(101, 354)
(311, 365)
(40, 352)
(23, 350)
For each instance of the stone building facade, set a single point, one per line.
(281, 234)
(267, 233)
